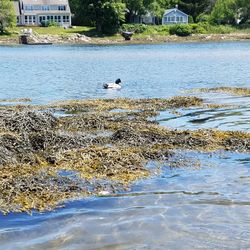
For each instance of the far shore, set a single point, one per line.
(149, 39)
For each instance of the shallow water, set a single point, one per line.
(204, 205)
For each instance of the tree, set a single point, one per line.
(194, 8)
(224, 12)
(105, 15)
(136, 8)
(243, 10)
(113, 17)
(7, 15)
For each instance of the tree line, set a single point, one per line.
(108, 15)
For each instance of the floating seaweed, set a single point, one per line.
(16, 100)
(106, 144)
(227, 90)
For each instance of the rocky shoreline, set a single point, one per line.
(82, 39)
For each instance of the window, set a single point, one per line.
(177, 19)
(30, 19)
(172, 19)
(37, 7)
(28, 7)
(53, 7)
(181, 19)
(62, 7)
(45, 7)
(66, 19)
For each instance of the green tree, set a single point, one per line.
(224, 12)
(137, 7)
(7, 15)
(194, 8)
(243, 10)
(113, 17)
(105, 15)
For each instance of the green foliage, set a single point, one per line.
(108, 15)
(231, 12)
(180, 30)
(135, 8)
(219, 29)
(203, 18)
(113, 16)
(190, 19)
(198, 28)
(194, 7)
(105, 15)
(49, 24)
(52, 24)
(224, 12)
(7, 15)
(146, 29)
(136, 28)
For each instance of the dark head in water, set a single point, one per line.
(118, 81)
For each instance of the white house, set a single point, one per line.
(174, 16)
(35, 12)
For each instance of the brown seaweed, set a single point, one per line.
(98, 148)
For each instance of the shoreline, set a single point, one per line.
(78, 39)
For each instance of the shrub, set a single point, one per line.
(136, 28)
(198, 28)
(219, 29)
(44, 23)
(49, 24)
(190, 19)
(203, 18)
(52, 24)
(180, 30)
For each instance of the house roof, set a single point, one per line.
(174, 9)
(47, 12)
(16, 8)
(46, 2)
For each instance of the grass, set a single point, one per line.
(54, 30)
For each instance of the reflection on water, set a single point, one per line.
(224, 119)
(203, 208)
(203, 205)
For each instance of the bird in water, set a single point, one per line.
(115, 85)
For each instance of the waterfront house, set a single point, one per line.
(174, 16)
(37, 12)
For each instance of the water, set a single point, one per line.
(205, 205)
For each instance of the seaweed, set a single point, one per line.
(228, 90)
(105, 144)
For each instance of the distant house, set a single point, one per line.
(35, 12)
(173, 16)
(148, 18)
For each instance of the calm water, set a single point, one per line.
(205, 207)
